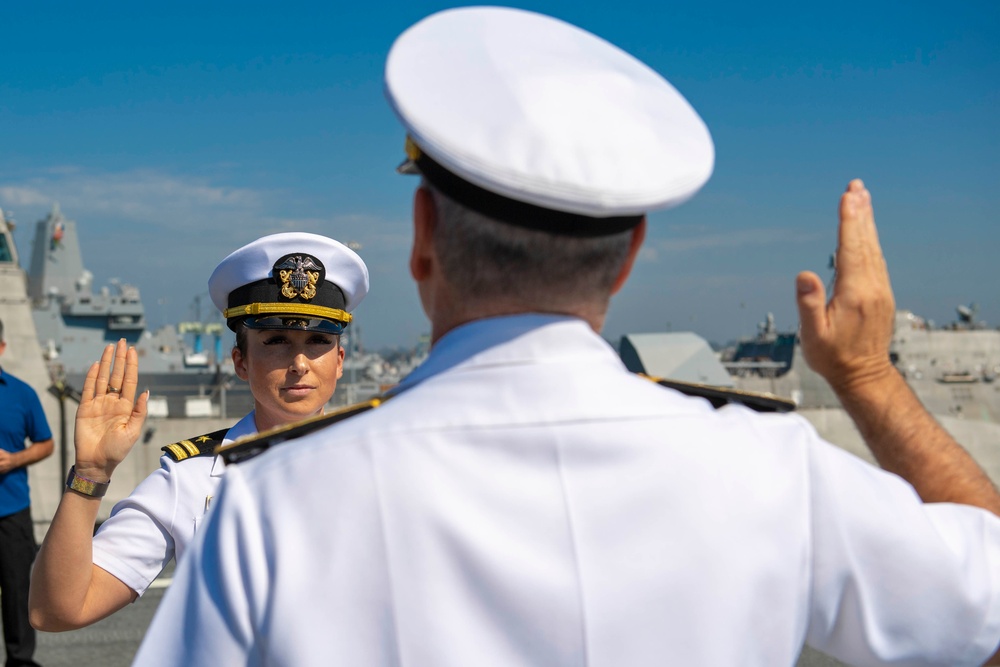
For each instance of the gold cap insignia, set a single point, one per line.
(299, 275)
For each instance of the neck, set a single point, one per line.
(448, 318)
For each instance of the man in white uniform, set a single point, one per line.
(287, 297)
(522, 499)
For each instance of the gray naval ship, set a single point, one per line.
(953, 369)
(74, 321)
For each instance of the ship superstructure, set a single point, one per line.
(74, 322)
(952, 369)
(71, 319)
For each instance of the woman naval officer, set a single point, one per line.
(287, 297)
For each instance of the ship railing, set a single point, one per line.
(761, 368)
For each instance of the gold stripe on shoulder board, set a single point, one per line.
(179, 452)
(253, 445)
(719, 396)
(189, 448)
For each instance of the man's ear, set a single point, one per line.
(424, 220)
(239, 364)
(638, 236)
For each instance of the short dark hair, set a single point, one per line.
(241, 338)
(1, 331)
(486, 259)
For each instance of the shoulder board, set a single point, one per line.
(720, 396)
(203, 445)
(251, 446)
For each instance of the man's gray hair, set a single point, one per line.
(486, 259)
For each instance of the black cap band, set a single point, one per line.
(268, 293)
(518, 213)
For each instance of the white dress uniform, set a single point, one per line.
(530, 502)
(157, 521)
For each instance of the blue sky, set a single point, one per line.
(174, 133)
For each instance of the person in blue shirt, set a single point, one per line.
(21, 420)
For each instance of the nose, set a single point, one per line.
(300, 364)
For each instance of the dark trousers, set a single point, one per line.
(17, 552)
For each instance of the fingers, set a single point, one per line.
(846, 339)
(117, 376)
(862, 273)
(859, 255)
(810, 296)
(117, 373)
(104, 371)
(90, 382)
(130, 373)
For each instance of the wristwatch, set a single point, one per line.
(84, 486)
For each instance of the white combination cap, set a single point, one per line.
(513, 113)
(293, 280)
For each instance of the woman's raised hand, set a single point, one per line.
(109, 419)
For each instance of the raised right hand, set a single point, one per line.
(108, 422)
(846, 340)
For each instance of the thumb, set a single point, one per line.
(810, 295)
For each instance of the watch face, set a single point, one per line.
(85, 486)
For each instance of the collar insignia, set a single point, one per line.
(299, 275)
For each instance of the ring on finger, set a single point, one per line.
(112, 390)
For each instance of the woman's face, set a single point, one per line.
(292, 374)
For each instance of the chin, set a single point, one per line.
(302, 409)
(308, 411)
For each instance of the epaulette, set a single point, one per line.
(251, 446)
(720, 396)
(203, 445)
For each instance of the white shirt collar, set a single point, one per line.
(505, 338)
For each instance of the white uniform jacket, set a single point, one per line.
(527, 501)
(158, 520)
